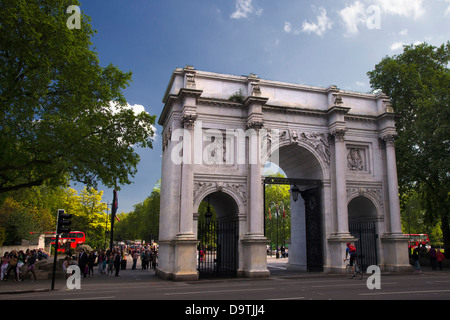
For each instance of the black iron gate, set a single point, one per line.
(366, 246)
(217, 249)
(313, 224)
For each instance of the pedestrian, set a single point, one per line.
(433, 258)
(82, 260)
(20, 262)
(12, 265)
(100, 260)
(117, 260)
(143, 260)
(154, 261)
(65, 266)
(90, 263)
(135, 257)
(440, 258)
(31, 260)
(416, 259)
(5, 265)
(110, 262)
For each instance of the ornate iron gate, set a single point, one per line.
(366, 246)
(313, 229)
(217, 249)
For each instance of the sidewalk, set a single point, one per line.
(13, 287)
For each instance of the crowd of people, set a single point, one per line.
(109, 261)
(435, 255)
(100, 262)
(17, 261)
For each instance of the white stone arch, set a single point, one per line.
(318, 147)
(237, 191)
(372, 196)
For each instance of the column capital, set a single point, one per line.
(257, 125)
(338, 134)
(188, 120)
(388, 139)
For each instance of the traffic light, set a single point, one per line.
(63, 222)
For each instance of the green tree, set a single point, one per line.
(61, 113)
(278, 225)
(90, 216)
(143, 222)
(18, 223)
(418, 82)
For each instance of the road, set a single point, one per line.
(282, 285)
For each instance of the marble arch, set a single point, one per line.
(345, 139)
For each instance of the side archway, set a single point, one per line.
(362, 215)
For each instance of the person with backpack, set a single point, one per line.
(351, 251)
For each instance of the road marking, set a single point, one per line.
(93, 298)
(215, 291)
(363, 284)
(402, 292)
(291, 298)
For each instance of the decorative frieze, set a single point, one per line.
(372, 193)
(319, 141)
(237, 189)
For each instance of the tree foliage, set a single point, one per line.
(35, 210)
(278, 225)
(143, 222)
(418, 82)
(61, 113)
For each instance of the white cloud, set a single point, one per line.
(319, 28)
(352, 16)
(397, 45)
(404, 32)
(406, 8)
(136, 108)
(287, 27)
(447, 12)
(360, 13)
(244, 9)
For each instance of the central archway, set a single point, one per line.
(218, 235)
(304, 170)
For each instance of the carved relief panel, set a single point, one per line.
(358, 159)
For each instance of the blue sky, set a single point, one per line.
(311, 42)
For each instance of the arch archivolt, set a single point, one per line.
(236, 190)
(318, 143)
(375, 195)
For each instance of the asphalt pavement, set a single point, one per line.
(318, 283)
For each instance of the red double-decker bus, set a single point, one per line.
(70, 240)
(417, 240)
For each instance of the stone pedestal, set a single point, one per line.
(337, 246)
(255, 258)
(180, 256)
(396, 258)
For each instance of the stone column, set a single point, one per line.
(392, 180)
(256, 217)
(186, 229)
(341, 182)
(254, 242)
